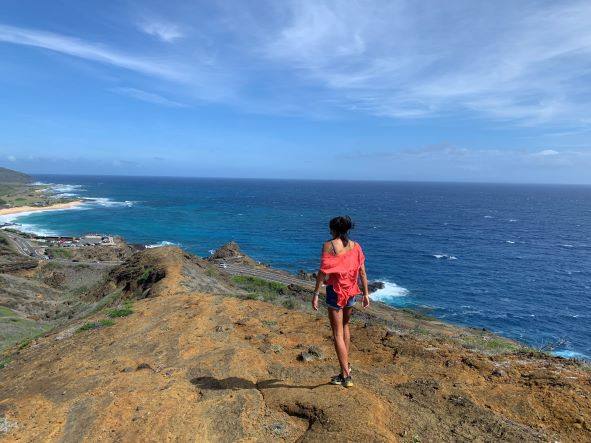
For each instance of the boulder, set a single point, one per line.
(373, 286)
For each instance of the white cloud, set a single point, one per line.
(392, 58)
(547, 152)
(91, 51)
(149, 97)
(398, 58)
(167, 32)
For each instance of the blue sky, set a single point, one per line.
(395, 90)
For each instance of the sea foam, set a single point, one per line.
(108, 203)
(389, 292)
(161, 244)
(445, 257)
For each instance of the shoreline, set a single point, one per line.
(27, 209)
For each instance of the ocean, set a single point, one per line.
(514, 259)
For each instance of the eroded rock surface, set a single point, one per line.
(191, 365)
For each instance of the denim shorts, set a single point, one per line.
(331, 299)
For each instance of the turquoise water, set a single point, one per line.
(515, 259)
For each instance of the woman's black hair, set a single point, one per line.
(340, 227)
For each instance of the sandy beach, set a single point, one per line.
(57, 206)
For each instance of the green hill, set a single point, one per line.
(13, 177)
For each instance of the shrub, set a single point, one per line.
(121, 312)
(258, 288)
(145, 276)
(4, 361)
(96, 324)
(25, 343)
(290, 303)
(58, 252)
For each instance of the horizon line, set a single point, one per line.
(459, 182)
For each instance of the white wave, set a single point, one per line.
(108, 203)
(211, 251)
(30, 229)
(61, 190)
(567, 246)
(445, 257)
(390, 291)
(161, 244)
(512, 220)
(488, 216)
(510, 242)
(564, 353)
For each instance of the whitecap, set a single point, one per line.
(488, 216)
(445, 257)
(567, 246)
(565, 353)
(512, 220)
(108, 203)
(510, 242)
(161, 244)
(389, 292)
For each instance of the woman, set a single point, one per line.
(342, 260)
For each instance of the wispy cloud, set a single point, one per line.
(399, 59)
(149, 97)
(390, 58)
(91, 51)
(165, 31)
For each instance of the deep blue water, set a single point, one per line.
(515, 259)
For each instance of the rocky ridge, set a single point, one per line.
(199, 358)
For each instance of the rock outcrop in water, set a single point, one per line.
(197, 359)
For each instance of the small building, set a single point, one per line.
(91, 240)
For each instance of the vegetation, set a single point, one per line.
(25, 343)
(259, 289)
(489, 344)
(10, 176)
(16, 330)
(123, 311)
(58, 252)
(4, 361)
(96, 325)
(212, 272)
(290, 303)
(145, 276)
(106, 300)
(269, 323)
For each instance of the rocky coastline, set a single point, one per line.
(160, 344)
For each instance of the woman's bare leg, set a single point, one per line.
(336, 323)
(346, 331)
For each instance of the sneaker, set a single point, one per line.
(337, 380)
(347, 382)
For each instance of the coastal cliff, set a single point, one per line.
(8, 176)
(173, 347)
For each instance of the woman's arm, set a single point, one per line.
(319, 280)
(363, 275)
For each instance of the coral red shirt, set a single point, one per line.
(343, 272)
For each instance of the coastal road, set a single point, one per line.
(22, 246)
(276, 276)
